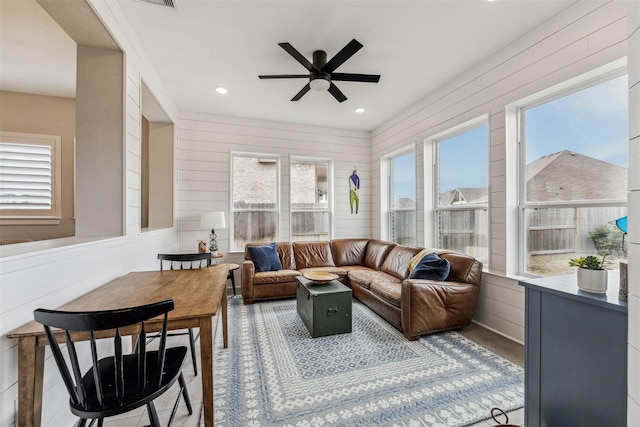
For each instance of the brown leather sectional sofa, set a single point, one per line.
(377, 272)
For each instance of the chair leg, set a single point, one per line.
(185, 393)
(192, 343)
(153, 415)
(233, 282)
(81, 423)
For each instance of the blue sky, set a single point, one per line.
(404, 176)
(464, 160)
(593, 122)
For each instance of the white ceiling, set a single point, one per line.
(416, 46)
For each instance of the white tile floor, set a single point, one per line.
(164, 404)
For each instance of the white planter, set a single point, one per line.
(594, 281)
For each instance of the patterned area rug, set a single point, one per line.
(275, 374)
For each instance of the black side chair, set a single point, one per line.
(189, 261)
(117, 383)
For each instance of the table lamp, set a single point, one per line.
(211, 221)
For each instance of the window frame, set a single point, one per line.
(390, 202)
(329, 209)
(232, 208)
(461, 129)
(523, 205)
(50, 216)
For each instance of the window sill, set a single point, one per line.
(31, 220)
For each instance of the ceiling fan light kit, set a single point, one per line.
(320, 82)
(321, 73)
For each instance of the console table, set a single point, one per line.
(575, 354)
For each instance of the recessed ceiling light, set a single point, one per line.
(360, 110)
(221, 90)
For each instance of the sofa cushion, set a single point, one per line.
(312, 254)
(265, 258)
(464, 268)
(272, 277)
(348, 251)
(376, 253)
(397, 262)
(387, 290)
(285, 253)
(365, 276)
(431, 267)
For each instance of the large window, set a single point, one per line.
(310, 200)
(573, 175)
(461, 191)
(29, 178)
(255, 182)
(402, 199)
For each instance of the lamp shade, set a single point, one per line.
(211, 220)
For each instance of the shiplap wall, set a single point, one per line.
(633, 66)
(58, 274)
(58, 271)
(205, 145)
(586, 36)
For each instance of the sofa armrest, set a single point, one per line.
(431, 306)
(247, 274)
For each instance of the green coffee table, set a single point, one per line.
(325, 309)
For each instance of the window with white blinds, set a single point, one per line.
(29, 176)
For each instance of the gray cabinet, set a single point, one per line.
(575, 354)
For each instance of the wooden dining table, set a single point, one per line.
(197, 296)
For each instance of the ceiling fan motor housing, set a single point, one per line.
(319, 59)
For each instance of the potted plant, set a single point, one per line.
(214, 248)
(592, 272)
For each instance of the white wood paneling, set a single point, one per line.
(584, 37)
(205, 144)
(62, 270)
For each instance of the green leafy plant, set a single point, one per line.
(591, 262)
(213, 247)
(608, 239)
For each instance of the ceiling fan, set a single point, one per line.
(321, 73)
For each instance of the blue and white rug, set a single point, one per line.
(275, 374)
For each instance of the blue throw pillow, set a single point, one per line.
(265, 258)
(431, 267)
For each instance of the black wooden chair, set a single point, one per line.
(189, 261)
(119, 382)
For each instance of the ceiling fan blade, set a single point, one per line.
(300, 94)
(347, 52)
(337, 94)
(348, 77)
(285, 76)
(298, 56)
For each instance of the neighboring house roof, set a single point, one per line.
(567, 175)
(561, 176)
(464, 195)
